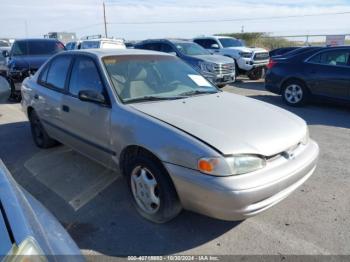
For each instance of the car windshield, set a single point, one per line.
(139, 78)
(191, 49)
(36, 48)
(230, 42)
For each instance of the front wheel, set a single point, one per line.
(294, 93)
(256, 74)
(152, 190)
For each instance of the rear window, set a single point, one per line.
(90, 44)
(36, 48)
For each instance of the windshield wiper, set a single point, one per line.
(152, 98)
(198, 92)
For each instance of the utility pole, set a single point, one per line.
(242, 29)
(104, 18)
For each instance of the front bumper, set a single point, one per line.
(240, 197)
(223, 79)
(248, 64)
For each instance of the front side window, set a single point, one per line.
(191, 49)
(84, 76)
(142, 77)
(36, 47)
(230, 42)
(335, 57)
(206, 43)
(57, 73)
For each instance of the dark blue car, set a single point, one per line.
(219, 69)
(311, 72)
(25, 58)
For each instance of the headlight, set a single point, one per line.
(246, 54)
(27, 251)
(233, 165)
(206, 67)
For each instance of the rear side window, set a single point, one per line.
(167, 48)
(57, 73)
(151, 46)
(206, 43)
(335, 57)
(85, 76)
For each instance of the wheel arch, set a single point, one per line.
(133, 150)
(294, 78)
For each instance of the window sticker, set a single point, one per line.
(200, 80)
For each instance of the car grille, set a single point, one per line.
(261, 56)
(224, 69)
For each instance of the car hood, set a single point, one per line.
(217, 59)
(247, 49)
(230, 123)
(32, 62)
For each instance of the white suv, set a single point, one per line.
(105, 43)
(249, 61)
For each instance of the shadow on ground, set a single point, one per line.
(108, 223)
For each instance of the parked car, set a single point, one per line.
(216, 68)
(282, 50)
(25, 58)
(73, 45)
(322, 73)
(4, 47)
(27, 229)
(105, 43)
(179, 141)
(249, 61)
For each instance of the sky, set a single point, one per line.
(23, 18)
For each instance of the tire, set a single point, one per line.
(148, 181)
(295, 93)
(39, 134)
(255, 74)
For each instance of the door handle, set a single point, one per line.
(65, 108)
(36, 96)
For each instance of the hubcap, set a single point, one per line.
(145, 189)
(293, 94)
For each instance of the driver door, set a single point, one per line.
(87, 124)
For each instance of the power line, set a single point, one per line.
(229, 20)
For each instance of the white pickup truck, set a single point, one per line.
(249, 61)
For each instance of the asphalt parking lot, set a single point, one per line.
(93, 205)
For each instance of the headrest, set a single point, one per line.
(137, 73)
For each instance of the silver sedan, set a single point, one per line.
(179, 141)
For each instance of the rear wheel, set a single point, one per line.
(39, 134)
(152, 190)
(294, 93)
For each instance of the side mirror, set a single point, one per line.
(5, 53)
(92, 96)
(214, 46)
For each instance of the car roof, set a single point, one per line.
(171, 40)
(37, 39)
(100, 52)
(213, 37)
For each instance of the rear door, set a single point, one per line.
(87, 124)
(48, 94)
(328, 73)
